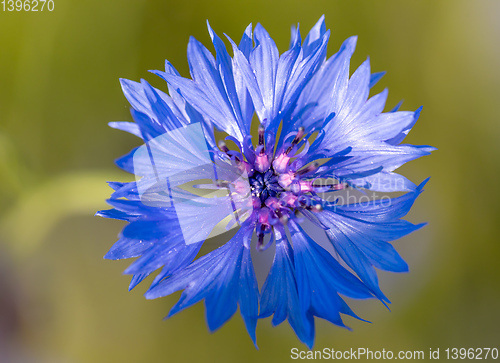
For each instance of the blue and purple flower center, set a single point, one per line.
(265, 185)
(281, 187)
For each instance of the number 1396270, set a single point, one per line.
(27, 5)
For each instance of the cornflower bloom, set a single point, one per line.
(319, 134)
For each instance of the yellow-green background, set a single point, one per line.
(61, 302)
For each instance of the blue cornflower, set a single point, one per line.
(319, 135)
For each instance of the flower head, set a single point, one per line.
(319, 135)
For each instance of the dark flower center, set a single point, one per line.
(265, 185)
(280, 185)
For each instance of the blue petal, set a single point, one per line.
(115, 214)
(126, 162)
(314, 37)
(375, 77)
(295, 36)
(152, 107)
(127, 248)
(280, 295)
(176, 96)
(325, 91)
(316, 259)
(208, 127)
(224, 65)
(351, 96)
(264, 61)
(385, 182)
(134, 93)
(302, 74)
(138, 208)
(397, 107)
(149, 128)
(368, 125)
(245, 76)
(215, 80)
(400, 137)
(382, 209)
(163, 113)
(274, 82)
(387, 126)
(177, 258)
(209, 101)
(351, 254)
(248, 296)
(319, 279)
(117, 185)
(124, 190)
(283, 75)
(136, 280)
(360, 232)
(150, 229)
(216, 277)
(130, 127)
(387, 231)
(176, 157)
(246, 42)
(357, 91)
(171, 253)
(198, 216)
(375, 156)
(245, 101)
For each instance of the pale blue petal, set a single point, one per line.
(264, 61)
(314, 37)
(130, 127)
(325, 91)
(246, 42)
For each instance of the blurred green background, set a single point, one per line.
(61, 302)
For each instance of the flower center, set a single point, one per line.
(280, 181)
(265, 185)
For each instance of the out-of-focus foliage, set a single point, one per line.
(60, 301)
